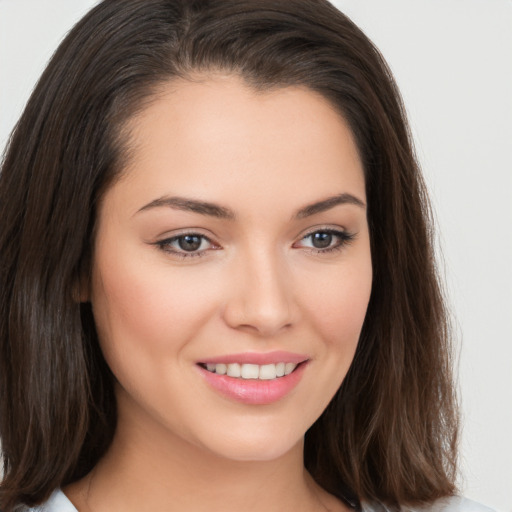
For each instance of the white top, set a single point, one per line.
(58, 502)
(450, 504)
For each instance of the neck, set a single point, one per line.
(149, 468)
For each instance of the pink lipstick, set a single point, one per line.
(254, 378)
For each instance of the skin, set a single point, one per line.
(259, 285)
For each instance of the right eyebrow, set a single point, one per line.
(191, 205)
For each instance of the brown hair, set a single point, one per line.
(389, 433)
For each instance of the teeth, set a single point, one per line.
(233, 370)
(288, 368)
(221, 369)
(268, 372)
(252, 371)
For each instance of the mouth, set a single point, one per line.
(252, 383)
(249, 371)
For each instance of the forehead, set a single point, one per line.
(220, 139)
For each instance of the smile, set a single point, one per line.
(252, 371)
(251, 383)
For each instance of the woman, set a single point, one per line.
(218, 288)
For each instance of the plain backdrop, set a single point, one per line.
(452, 60)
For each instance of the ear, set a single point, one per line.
(79, 294)
(81, 288)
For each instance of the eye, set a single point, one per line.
(325, 240)
(186, 245)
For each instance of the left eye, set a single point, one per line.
(188, 244)
(325, 239)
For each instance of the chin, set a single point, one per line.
(262, 447)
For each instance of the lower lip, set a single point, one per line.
(254, 391)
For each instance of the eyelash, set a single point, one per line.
(165, 244)
(344, 239)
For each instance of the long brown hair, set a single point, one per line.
(389, 434)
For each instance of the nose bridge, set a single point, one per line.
(262, 299)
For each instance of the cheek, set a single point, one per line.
(144, 311)
(335, 309)
(337, 306)
(343, 308)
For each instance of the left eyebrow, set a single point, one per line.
(327, 204)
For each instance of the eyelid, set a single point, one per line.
(324, 228)
(164, 244)
(344, 238)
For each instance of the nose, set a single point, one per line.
(260, 298)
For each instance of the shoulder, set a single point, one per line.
(455, 504)
(449, 504)
(57, 502)
(460, 504)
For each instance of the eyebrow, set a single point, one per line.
(221, 212)
(327, 204)
(191, 205)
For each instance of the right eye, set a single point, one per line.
(186, 245)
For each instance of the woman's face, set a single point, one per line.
(236, 241)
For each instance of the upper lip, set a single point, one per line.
(259, 358)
